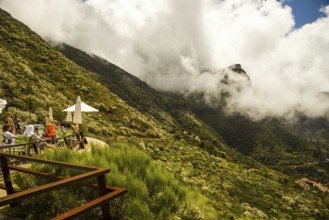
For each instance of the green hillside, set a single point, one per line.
(34, 76)
(170, 110)
(167, 157)
(275, 142)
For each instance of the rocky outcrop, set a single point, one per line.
(239, 73)
(237, 68)
(233, 80)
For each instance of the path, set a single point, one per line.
(302, 165)
(91, 141)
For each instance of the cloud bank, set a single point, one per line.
(183, 46)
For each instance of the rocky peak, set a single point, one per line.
(237, 68)
(234, 75)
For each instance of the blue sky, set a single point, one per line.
(306, 11)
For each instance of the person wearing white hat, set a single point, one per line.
(29, 132)
(33, 137)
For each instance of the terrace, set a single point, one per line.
(16, 158)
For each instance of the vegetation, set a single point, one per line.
(274, 142)
(181, 184)
(153, 191)
(170, 110)
(34, 76)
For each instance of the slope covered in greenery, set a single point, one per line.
(170, 110)
(34, 76)
(159, 159)
(177, 187)
(288, 146)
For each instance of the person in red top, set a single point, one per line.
(51, 131)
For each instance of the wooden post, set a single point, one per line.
(66, 142)
(35, 148)
(82, 137)
(102, 191)
(81, 145)
(6, 176)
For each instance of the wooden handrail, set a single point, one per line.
(51, 162)
(38, 142)
(105, 192)
(80, 142)
(90, 205)
(16, 197)
(54, 177)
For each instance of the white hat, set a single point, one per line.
(29, 131)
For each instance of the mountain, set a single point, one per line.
(269, 141)
(285, 145)
(220, 182)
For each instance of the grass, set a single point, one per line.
(153, 192)
(157, 190)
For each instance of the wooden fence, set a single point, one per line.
(106, 193)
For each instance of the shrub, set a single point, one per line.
(153, 193)
(138, 211)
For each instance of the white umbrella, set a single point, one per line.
(3, 104)
(84, 108)
(68, 117)
(50, 114)
(77, 112)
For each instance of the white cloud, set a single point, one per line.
(170, 43)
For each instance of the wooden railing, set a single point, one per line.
(69, 141)
(106, 193)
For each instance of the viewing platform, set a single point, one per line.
(16, 158)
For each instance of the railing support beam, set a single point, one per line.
(103, 191)
(6, 177)
(35, 147)
(81, 145)
(83, 137)
(66, 142)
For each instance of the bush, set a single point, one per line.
(153, 193)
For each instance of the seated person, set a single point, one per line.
(51, 132)
(9, 137)
(9, 121)
(33, 137)
(29, 132)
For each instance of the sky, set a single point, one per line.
(186, 46)
(306, 11)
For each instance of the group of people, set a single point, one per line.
(15, 127)
(10, 128)
(50, 131)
